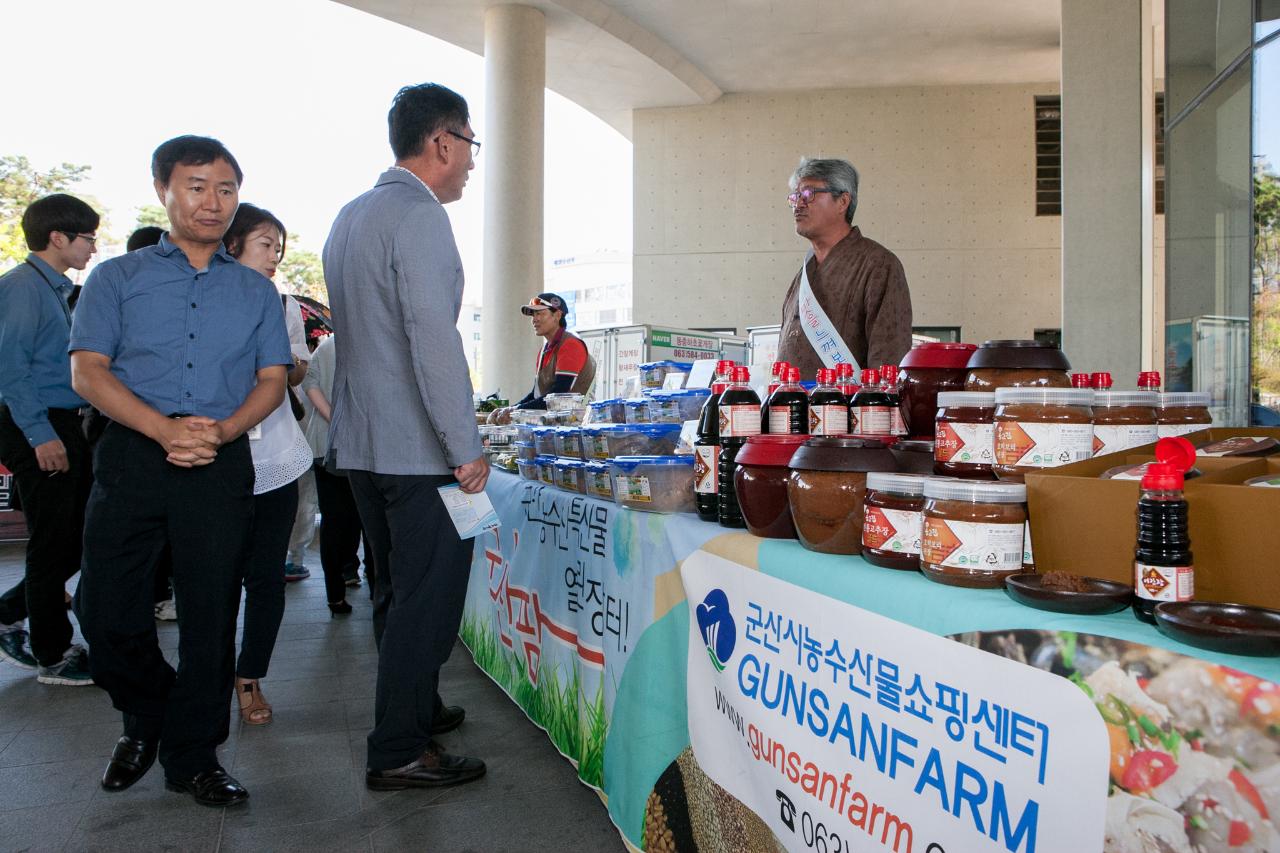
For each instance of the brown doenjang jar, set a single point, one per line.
(965, 435)
(972, 532)
(1017, 364)
(1041, 428)
(1181, 412)
(928, 370)
(891, 520)
(1123, 419)
(826, 488)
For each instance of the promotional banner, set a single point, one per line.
(845, 730)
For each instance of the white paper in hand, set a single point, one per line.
(471, 514)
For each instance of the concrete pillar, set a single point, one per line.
(515, 59)
(1107, 241)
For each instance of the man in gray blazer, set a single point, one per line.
(404, 424)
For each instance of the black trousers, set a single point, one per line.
(273, 514)
(340, 531)
(54, 507)
(422, 569)
(139, 503)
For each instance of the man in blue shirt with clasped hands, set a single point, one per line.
(185, 350)
(41, 440)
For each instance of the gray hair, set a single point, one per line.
(839, 175)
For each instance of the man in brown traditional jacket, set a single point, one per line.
(858, 283)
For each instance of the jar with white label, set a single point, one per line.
(1040, 428)
(1123, 419)
(972, 532)
(1181, 412)
(891, 520)
(965, 434)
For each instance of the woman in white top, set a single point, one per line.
(281, 455)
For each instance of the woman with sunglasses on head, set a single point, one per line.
(281, 455)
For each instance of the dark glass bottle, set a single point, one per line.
(787, 411)
(828, 407)
(1162, 566)
(889, 383)
(871, 410)
(706, 471)
(739, 413)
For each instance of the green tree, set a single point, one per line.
(151, 214)
(20, 184)
(302, 272)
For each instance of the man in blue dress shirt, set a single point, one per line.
(185, 350)
(41, 440)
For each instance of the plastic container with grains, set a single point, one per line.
(570, 475)
(546, 469)
(544, 440)
(528, 469)
(654, 373)
(653, 483)
(631, 440)
(598, 479)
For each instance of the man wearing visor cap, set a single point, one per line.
(563, 366)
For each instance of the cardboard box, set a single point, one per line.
(1088, 526)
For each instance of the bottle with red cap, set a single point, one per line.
(844, 379)
(1079, 380)
(778, 375)
(1149, 380)
(706, 449)
(787, 410)
(889, 384)
(1100, 381)
(1163, 569)
(871, 410)
(739, 412)
(828, 406)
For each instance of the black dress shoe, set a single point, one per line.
(432, 769)
(130, 761)
(210, 788)
(447, 719)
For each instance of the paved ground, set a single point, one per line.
(305, 771)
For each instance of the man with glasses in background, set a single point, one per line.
(41, 440)
(849, 301)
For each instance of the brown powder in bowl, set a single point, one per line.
(1063, 581)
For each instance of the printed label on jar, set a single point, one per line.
(970, 444)
(975, 546)
(871, 420)
(780, 420)
(1028, 558)
(598, 484)
(1112, 438)
(705, 459)
(1039, 445)
(739, 420)
(895, 530)
(599, 447)
(828, 420)
(1164, 583)
(1166, 430)
(634, 489)
(547, 475)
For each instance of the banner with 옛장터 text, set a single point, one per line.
(845, 730)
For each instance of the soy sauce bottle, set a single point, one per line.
(706, 454)
(871, 409)
(889, 383)
(739, 419)
(787, 411)
(828, 407)
(1162, 566)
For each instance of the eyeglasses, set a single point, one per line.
(471, 140)
(91, 239)
(807, 194)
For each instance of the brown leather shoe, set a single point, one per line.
(432, 769)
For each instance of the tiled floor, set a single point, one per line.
(305, 771)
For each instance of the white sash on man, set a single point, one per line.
(818, 328)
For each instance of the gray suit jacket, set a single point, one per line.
(402, 398)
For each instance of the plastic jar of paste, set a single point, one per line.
(1041, 428)
(1017, 364)
(965, 435)
(1181, 412)
(891, 520)
(826, 488)
(972, 532)
(760, 482)
(928, 370)
(1123, 419)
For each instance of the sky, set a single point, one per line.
(299, 92)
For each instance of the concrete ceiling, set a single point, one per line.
(614, 56)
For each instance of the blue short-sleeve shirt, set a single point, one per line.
(183, 340)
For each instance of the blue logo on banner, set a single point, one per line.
(719, 632)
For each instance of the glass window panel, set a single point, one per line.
(1266, 19)
(1266, 215)
(1203, 37)
(1208, 249)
